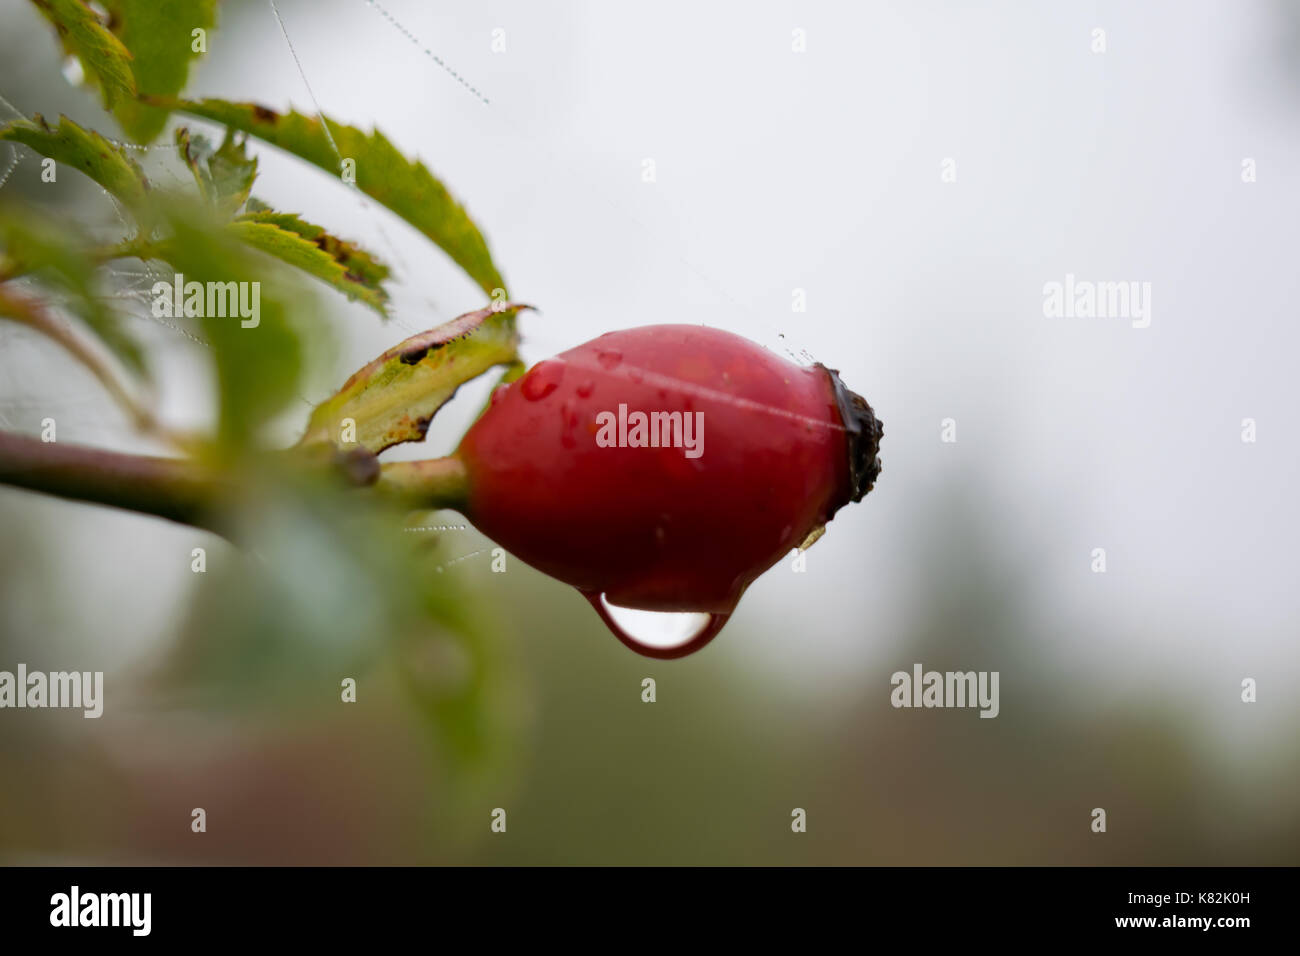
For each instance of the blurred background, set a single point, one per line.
(774, 171)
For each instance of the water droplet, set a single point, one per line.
(660, 634)
(586, 388)
(636, 375)
(498, 393)
(609, 358)
(543, 379)
(568, 424)
(73, 71)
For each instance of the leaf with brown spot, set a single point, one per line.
(353, 258)
(393, 399)
(345, 266)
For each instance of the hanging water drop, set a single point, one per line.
(664, 635)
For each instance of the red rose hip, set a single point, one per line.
(666, 467)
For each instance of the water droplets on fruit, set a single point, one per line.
(585, 388)
(568, 425)
(609, 358)
(544, 378)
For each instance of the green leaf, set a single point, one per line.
(59, 257)
(159, 34)
(257, 367)
(224, 176)
(354, 259)
(84, 150)
(322, 256)
(382, 172)
(323, 588)
(393, 399)
(103, 55)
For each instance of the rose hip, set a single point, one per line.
(666, 467)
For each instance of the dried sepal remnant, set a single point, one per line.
(393, 398)
(864, 431)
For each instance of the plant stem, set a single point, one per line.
(171, 488)
(430, 484)
(188, 492)
(138, 247)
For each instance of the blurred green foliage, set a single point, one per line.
(58, 254)
(320, 588)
